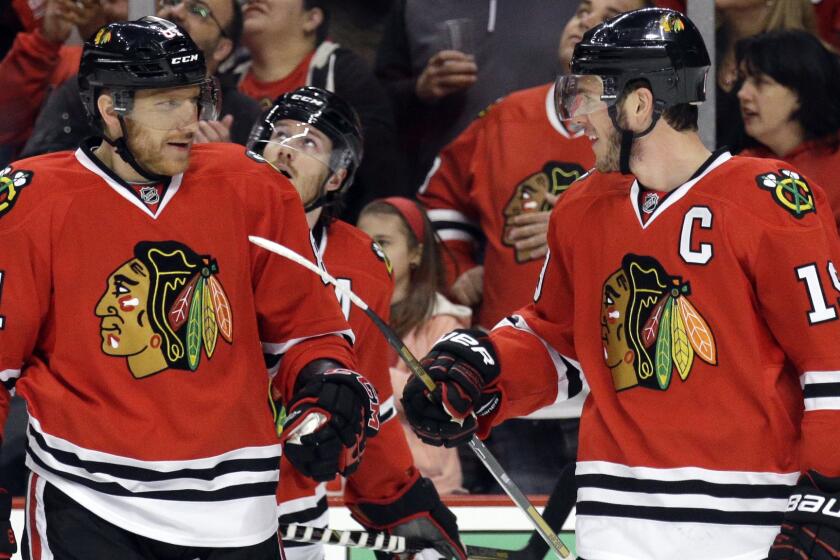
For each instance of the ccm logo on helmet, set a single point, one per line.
(183, 59)
(307, 99)
(466, 340)
(814, 504)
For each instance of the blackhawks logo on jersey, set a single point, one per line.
(530, 196)
(11, 184)
(790, 191)
(163, 307)
(649, 327)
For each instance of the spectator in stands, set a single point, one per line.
(789, 90)
(828, 20)
(289, 48)
(39, 61)
(489, 194)
(216, 27)
(436, 90)
(419, 312)
(738, 19)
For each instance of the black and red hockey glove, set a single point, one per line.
(328, 421)
(464, 365)
(8, 543)
(416, 512)
(811, 527)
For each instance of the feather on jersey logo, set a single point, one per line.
(650, 329)
(12, 182)
(162, 308)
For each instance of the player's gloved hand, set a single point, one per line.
(811, 527)
(329, 419)
(8, 543)
(464, 365)
(417, 512)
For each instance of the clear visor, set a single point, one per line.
(578, 95)
(170, 109)
(295, 148)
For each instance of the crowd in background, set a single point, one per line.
(426, 77)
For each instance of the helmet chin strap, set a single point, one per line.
(121, 146)
(627, 136)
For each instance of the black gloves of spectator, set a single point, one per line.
(329, 419)
(463, 365)
(811, 528)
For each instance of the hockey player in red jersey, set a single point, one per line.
(498, 180)
(699, 296)
(314, 137)
(134, 318)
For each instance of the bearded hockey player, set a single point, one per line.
(314, 137)
(699, 295)
(133, 314)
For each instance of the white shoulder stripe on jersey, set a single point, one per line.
(570, 377)
(277, 348)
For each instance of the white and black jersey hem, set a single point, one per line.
(227, 500)
(690, 512)
(310, 511)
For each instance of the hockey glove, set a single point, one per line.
(463, 364)
(328, 420)
(8, 543)
(811, 527)
(417, 512)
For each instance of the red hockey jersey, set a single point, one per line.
(500, 167)
(708, 338)
(387, 467)
(134, 337)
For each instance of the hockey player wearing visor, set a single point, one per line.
(700, 307)
(135, 316)
(314, 137)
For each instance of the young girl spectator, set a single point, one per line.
(789, 94)
(420, 314)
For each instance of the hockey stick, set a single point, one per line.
(377, 541)
(478, 447)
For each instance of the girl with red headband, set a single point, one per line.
(419, 312)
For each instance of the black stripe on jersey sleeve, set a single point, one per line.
(680, 514)
(573, 375)
(149, 475)
(813, 390)
(235, 492)
(305, 516)
(441, 225)
(744, 491)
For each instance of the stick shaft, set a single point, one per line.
(478, 447)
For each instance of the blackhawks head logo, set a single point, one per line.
(649, 327)
(162, 307)
(12, 182)
(530, 196)
(790, 191)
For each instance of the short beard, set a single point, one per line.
(147, 152)
(611, 160)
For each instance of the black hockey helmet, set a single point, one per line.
(317, 108)
(658, 45)
(148, 53)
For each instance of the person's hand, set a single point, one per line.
(529, 235)
(214, 131)
(463, 365)
(329, 420)
(62, 15)
(811, 528)
(446, 72)
(416, 512)
(468, 288)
